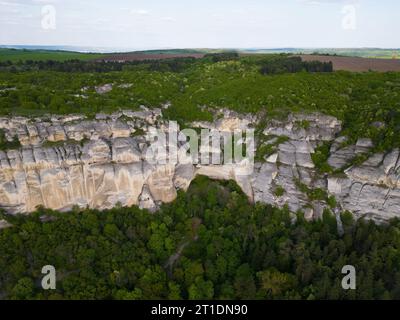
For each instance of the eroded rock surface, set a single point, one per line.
(70, 160)
(371, 189)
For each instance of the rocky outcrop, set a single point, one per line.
(372, 189)
(72, 161)
(35, 132)
(292, 163)
(227, 120)
(342, 154)
(104, 88)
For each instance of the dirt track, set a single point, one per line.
(357, 64)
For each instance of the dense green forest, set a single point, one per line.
(209, 243)
(294, 65)
(241, 83)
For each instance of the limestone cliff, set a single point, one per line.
(99, 163)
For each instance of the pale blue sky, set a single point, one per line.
(198, 24)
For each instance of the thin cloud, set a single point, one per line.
(170, 19)
(45, 1)
(321, 2)
(140, 12)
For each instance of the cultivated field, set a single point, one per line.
(357, 64)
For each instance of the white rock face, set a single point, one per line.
(104, 88)
(311, 127)
(102, 164)
(105, 171)
(184, 174)
(146, 200)
(372, 189)
(62, 177)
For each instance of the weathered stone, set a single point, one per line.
(146, 201)
(112, 169)
(272, 158)
(184, 174)
(56, 133)
(341, 157)
(161, 183)
(319, 127)
(370, 190)
(363, 145)
(104, 88)
(125, 150)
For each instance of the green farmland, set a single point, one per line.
(15, 55)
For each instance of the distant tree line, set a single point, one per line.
(223, 56)
(162, 65)
(285, 64)
(75, 65)
(60, 66)
(169, 65)
(275, 65)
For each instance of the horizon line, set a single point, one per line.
(102, 49)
